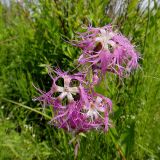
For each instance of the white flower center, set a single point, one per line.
(67, 90)
(105, 39)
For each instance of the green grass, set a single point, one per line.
(30, 42)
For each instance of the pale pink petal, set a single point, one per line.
(60, 89)
(73, 89)
(70, 97)
(61, 96)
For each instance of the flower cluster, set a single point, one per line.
(76, 106)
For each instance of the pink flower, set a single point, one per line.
(107, 50)
(65, 91)
(96, 108)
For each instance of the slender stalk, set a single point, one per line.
(29, 108)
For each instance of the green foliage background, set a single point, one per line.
(33, 36)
